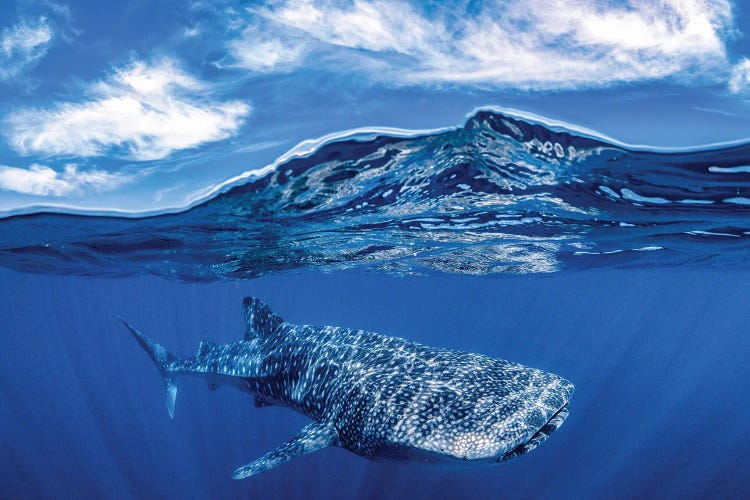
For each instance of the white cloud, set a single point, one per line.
(191, 32)
(739, 79)
(374, 25)
(146, 110)
(262, 49)
(531, 44)
(44, 181)
(22, 46)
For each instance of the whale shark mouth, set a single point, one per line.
(538, 438)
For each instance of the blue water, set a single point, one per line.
(594, 268)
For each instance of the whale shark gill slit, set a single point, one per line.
(541, 435)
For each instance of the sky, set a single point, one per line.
(142, 106)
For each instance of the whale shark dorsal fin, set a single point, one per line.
(313, 437)
(204, 347)
(260, 320)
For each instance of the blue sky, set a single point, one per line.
(144, 105)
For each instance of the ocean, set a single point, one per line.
(622, 269)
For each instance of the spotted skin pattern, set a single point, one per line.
(377, 396)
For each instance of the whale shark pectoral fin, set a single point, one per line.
(260, 320)
(261, 403)
(313, 437)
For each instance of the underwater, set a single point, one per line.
(266, 216)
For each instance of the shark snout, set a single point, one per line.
(551, 410)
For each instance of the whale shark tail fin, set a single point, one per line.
(161, 358)
(260, 320)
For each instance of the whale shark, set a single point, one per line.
(381, 397)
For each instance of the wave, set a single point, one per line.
(505, 192)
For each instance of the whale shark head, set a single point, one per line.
(544, 412)
(508, 420)
(539, 436)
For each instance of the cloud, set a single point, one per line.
(739, 79)
(373, 25)
(22, 46)
(536, 44)
(142, 112)
(191, 32)
(42, 180)
(263, 48)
